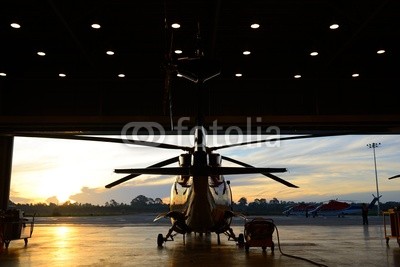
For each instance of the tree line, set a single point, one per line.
(142, 204)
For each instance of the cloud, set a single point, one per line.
(121, 194)
(22, 200)
(52, 199)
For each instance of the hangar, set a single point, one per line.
(90, 67)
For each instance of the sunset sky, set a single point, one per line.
(341, 167)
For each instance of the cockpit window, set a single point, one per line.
(220, 190)
(184, 181)
(180, 190)
(215, 181)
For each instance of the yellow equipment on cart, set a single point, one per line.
(393, 216)
(258, 233)
(14, 225)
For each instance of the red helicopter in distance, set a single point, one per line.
(300, 209)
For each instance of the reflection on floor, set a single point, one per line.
(328, 241)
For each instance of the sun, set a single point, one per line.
(63, 197)
(62, 187)
(64, 191)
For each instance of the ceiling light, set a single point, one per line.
(238, 75)
(15, 25)
(178, 51)
(3, 74)
(175, 25)
(179, 75)
(355, 75)
(96, 26)
(110, 53)
(255, 26)
(313, 54)
(334, 26)
(121, 75)
(42, 54)
(62, 75)
(297, 76)
(246, 53)
(381, 51)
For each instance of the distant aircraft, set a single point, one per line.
(300, 209)
(340, 208)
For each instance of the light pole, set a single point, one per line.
(373, 146)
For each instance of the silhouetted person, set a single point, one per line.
(364, 213)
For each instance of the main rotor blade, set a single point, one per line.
(206, 171)
(275, 139)
(126, 178)
(160, 171)
(105, 139)
(273, 177)
(245, 170)
(396, 176)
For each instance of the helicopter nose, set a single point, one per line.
(200, 223)
(199, 217)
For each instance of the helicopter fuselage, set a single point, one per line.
(204, 202)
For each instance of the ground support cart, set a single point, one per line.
(258, 233)
(392, 216)
(14, 226)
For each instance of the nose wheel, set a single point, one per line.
(160, 240)
(169, 237)
(240, 240)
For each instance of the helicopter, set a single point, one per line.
(299, 209)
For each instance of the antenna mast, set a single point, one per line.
(168, 67)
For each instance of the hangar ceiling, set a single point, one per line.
(350, 86)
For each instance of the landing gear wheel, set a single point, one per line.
(240, 240)
(160, 240)
(264, 248)
(273, 247)
(7, 243)
(247, 248)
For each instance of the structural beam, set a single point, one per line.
(290, 124)
(6, 153)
